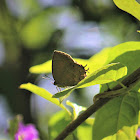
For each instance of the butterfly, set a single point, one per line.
(66, 71)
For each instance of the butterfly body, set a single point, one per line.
(66, 72)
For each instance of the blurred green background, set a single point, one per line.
(30, 30)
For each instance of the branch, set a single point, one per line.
(130, 81)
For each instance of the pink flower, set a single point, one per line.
(26, 132)
(138, 134)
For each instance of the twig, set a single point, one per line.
(129, 82)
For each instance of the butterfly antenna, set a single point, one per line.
(58, 89)
(47, 77)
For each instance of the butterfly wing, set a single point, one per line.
(66, 72)
(62, 64)
(79, 73)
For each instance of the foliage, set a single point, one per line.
(116, 120)
(130, 6)
(122, 111)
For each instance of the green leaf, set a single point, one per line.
(118, 119)
(98, 60)
(127, 54)
(37, 32)
(130, 6)
(42, 68)
(76, 108)
(43, 93)
(106, 74)
(63, 93)
(57, 123)
(60, 120)
(13, 125)
(84, 132)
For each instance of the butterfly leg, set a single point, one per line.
(85, 66)
(87, 69)
(58, 89)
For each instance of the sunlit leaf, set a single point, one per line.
(84, 132)
(126, 53)
(118, 119)
(42, 92)
(130, 6)
(98, 60)
(42, 68)
(60, 120)
(90, 121)
(63, 93)
(37, 32)
(57, 123)
(106, 74)
(76, 109)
